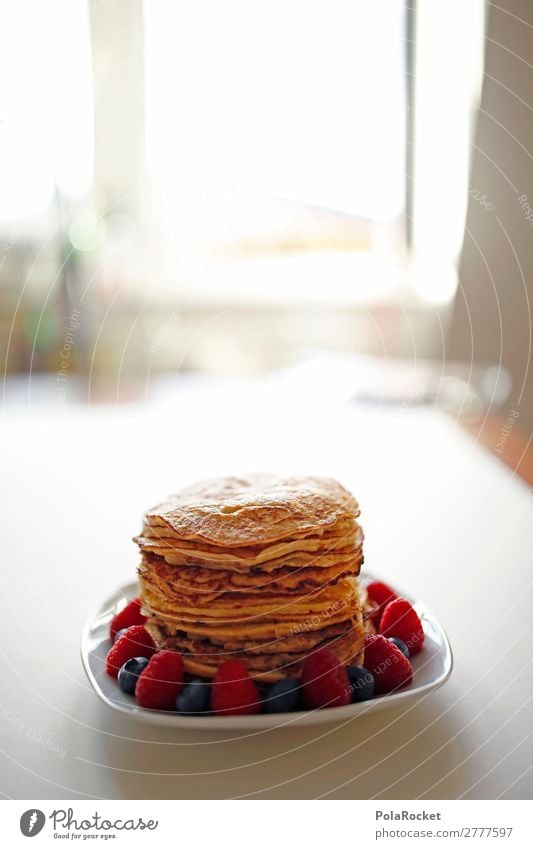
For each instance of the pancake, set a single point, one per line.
(293, 560)
(192, 580)
(254, 509)
(268, 666)
(157, 530)
(245, 607)
(295, 640)
(252, 555)
(261, 569)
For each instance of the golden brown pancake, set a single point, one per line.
(210, 555)
(266, 665)
(255, 509)
(262, 569)
(192, 580)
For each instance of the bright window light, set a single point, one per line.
(288, 99)
(449, 67)
(46, 129)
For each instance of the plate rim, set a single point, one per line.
(261, 721)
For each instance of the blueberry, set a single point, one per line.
(362, 683)
(119, 634)
(195, 697)
(129, 673)
(400, 645)
(283, 696)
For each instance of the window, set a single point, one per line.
(46, 135)
(270, 135)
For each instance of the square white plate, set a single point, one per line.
(432, 667)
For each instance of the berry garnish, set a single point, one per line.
(324, 680)
(129, 672)
(400, 645)
(379, 594)
(283, 696)
(390, 668)
(161, 681)
(130, 615)
(400, 619)
(136, 642)
(195, 697)
(361, 683)
(233, 691)
(119, 634)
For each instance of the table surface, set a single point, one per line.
(442, 518)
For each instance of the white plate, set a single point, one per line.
(432, 667)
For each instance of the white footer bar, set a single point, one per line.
(267, 824)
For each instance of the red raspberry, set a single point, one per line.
(161, 682)
(131, 615)
(324, 680)
(390, 668)
(400, 619)
(136, 642)
(380, 594)
(233, 690)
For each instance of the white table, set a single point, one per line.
(442, 519)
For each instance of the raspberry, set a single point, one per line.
(380, 594)
(161, 682)
(233, 690)
(390, 668)
(130, 615)
(135, 642)
(324, 680)
(400, 619)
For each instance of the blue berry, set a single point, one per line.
(404, 648)
(119, 634)
(195, 697)
(129, 672)
(362, 683)
(283, 696)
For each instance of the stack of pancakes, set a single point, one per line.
(261, 569)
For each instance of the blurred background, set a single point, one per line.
(340, 192)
